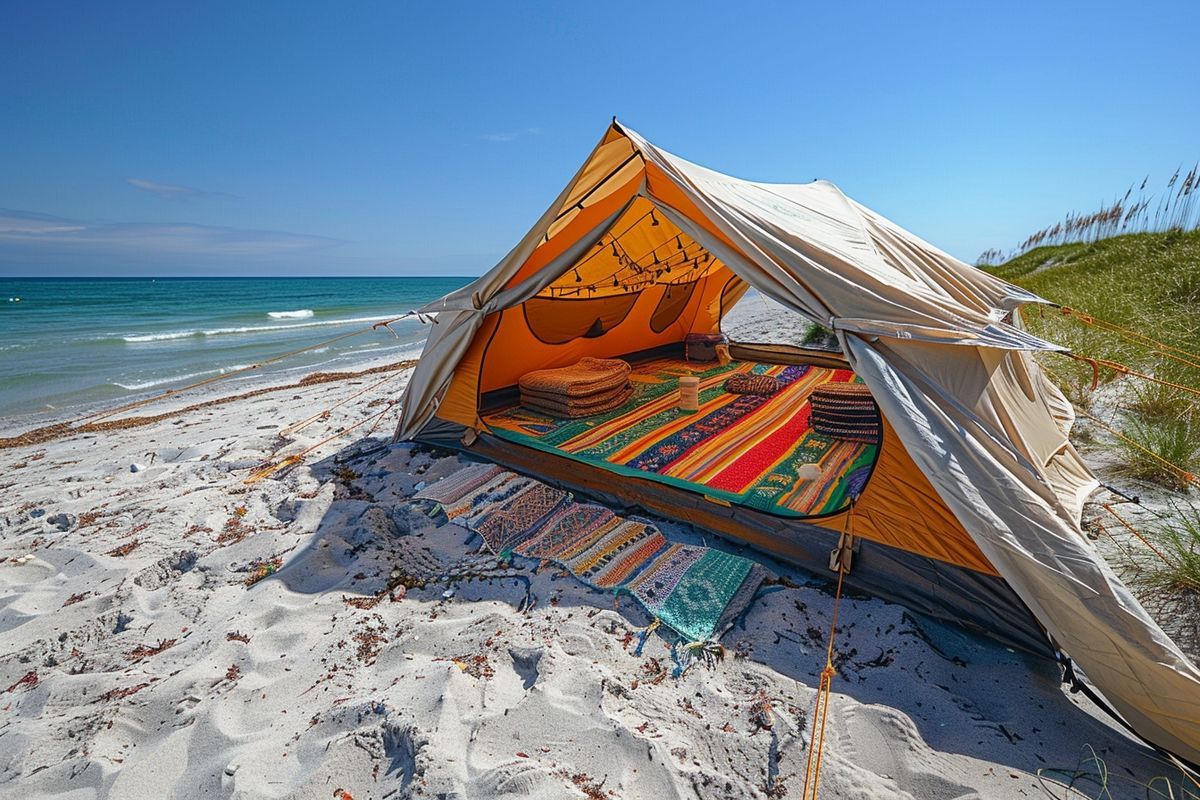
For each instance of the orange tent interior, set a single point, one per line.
(646, 285)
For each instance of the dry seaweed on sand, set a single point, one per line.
(146, 651)
(262, 569)
(28, 681)
(125, 549)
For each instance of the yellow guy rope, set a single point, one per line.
(1170, 351)
(1187, 477)
(816, 740)
(1116, 542)
(1108, 507)
(323, 413)
(296, 458)
(1116, 366)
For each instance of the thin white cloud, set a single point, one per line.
(41, 231)
(170, 191)
(511, 135)
(23, 223)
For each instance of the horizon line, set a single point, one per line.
(214, 277)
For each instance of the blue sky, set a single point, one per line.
(393, 138)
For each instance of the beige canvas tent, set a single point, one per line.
(972, 501)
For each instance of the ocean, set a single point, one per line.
(68, 343)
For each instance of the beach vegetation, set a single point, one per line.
(821, 338)
(1147, 285)
(1091, 779)
(1171, 210)
(1179, 539)
(1161, 451)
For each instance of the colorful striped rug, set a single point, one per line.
(574, 523)
(482, 485)
(511, 521)
(697, 591)
(749, 450)
(605, 557)
(454, 487)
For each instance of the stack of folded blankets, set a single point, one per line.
(845, 411)
(592, 386)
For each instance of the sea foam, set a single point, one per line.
(303, 313)
(158, 337)
(134, 387)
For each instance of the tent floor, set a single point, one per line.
(746, 450)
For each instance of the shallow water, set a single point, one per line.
(73, 342)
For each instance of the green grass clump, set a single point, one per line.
(1179, 541)
(1156, 402)
(1091, 779)
(1175, 440)
(820, 337)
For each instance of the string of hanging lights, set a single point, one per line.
(645, 270)
(643, 274)
(600, 245)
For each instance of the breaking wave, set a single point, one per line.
(134, 387)
(160, 337)
(303, 313)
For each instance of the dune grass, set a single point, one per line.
(1154, 402)
(1091, 779)
(1179, 538)
(1150, 442)
(1175, 208)
(1148, 283)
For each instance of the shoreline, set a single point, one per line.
(222, 386)
(62, 429)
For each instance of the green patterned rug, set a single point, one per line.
(751, 450)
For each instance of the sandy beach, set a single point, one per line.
(168, 630)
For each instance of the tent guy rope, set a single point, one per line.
(1123, 369)
(816, 740)
(1185, 475)
(324, 413)
(1162, 348)
(288, 461)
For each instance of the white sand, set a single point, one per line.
(449, 691)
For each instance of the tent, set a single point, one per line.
(972, 507)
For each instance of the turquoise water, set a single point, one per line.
(74, 342)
